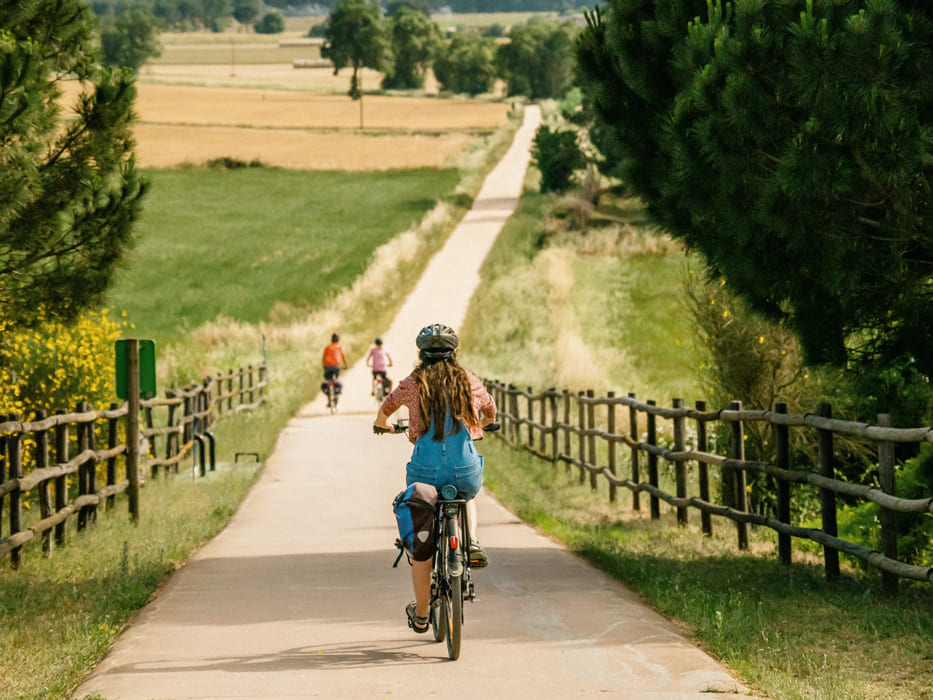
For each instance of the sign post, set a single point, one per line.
(135, 369)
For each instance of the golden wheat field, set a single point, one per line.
(301, 119)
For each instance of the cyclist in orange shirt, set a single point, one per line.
(334, 360)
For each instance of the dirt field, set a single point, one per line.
(302, 118)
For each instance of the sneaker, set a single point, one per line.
(478, 558)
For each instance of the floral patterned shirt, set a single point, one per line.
(406, 394)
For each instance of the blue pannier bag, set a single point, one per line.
(414, 514)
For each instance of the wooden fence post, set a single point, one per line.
(703, 470)
(242, 390)
(782, 459)
(230, 390)
(84, 484)
(591, 438)
(171, 439)
(611, 429)
(132, 429)
(740, 495)
(653, 462)
(581, 438)
(15, 457)
(92, 467)
(542, 438)
(633, 433)
(252, 397)
(111, 461)
(567, 430)
(516, 418)
(61, 482)
(555, 450)
(680, 467)
(827, 496)
(887, 516)
(41, 442)
(531, 418)
(3, 462)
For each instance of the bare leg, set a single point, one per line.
(421, 582)
(471, 517)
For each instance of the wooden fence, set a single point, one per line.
(180, 424)
(565, 427)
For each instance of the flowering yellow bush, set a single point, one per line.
(52, 366)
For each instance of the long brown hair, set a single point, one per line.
(443, 385)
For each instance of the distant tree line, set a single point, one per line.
(215, 15)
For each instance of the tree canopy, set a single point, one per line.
(355, 36)
(415, 39)
(467, 64)
(790, 142)
(69, 191)
(130, 39)
(538, 60)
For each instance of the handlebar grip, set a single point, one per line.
(492, 427)
(380, 431)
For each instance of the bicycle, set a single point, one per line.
(379, 389)
(451, 579)
(332, 394)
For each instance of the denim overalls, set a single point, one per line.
(451, 461)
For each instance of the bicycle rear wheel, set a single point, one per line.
(332, 396)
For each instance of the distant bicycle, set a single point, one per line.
(379, 389)
(332, 395)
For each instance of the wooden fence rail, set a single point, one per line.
(180, 421)
(555, 420)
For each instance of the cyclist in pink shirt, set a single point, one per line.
(380, 361)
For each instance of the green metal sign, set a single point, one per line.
(147, 369)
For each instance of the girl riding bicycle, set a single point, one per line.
(448, 407)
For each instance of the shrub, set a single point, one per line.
(271, 23)
(557, 155)
(52, 365)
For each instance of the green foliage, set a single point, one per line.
(415, 39)
(355, 35)
(914, 530)
(538, 60)
(271, 23)
(245, 11)
(789, 142)
(130, 39)
(394, 6)
(466, 65)
(557, 155)
(69, 192)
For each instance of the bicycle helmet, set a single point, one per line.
(334, 338)
(378, 341)
(437, 341)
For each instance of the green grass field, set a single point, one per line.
(241, 243)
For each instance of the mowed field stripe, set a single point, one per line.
(180, 125)
(164, 146)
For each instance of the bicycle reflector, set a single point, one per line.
(448, 492)
(454, 542)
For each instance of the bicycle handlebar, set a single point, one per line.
(401, 426)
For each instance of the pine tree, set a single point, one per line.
(790, 142)
(69, 189)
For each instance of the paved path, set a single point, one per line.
(296, 598)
